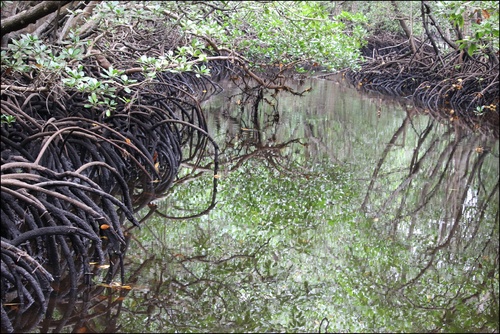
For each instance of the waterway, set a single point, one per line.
(337, 211)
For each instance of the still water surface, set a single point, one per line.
(337, 211)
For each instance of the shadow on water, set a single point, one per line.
(337, 212)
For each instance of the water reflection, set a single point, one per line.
(336, 212)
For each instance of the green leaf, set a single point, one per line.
(472, 48)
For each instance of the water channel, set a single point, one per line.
(337, 211)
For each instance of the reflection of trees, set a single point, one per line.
(255, 138)
(442, 208)
(255, 122)
(453, 166)
(249, 143)
(190, 290)
(92, 308)
(428, 254)
(198, 287)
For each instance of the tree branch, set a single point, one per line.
(405, 28)
(26, 17)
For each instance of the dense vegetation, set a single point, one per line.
(447, 64)
(101, 105)
(443, 53)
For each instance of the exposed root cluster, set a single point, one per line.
(72, 176)
(456, 86)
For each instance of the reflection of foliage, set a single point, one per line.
(282, 251)
(255, 139)
(458, 245)
(236, 275)
(258, 117)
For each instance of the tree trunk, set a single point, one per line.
(405, 28)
